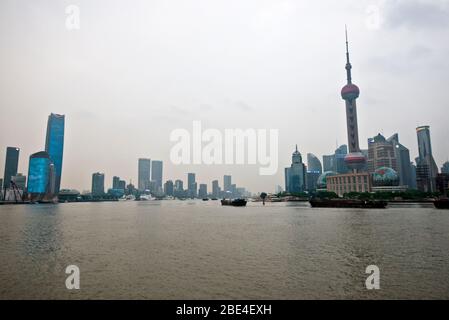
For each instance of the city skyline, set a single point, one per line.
(309, 74)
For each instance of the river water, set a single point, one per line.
(201, 250)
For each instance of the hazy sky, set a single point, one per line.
(136, 70)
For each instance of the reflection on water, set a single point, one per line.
(196, 249)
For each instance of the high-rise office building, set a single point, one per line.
(115, 182)
(39, 174)
(340, 165)
(156, 172)
(97, 184)
(402, 155)
(314, 164)
(328, 163)
(11, 165)
(215, 189)
(227, 182)
(179, 185)
(144, 174)
(426, 168)
(169, 188)
(202, 192)
(192, 185)
(295, 175)
(54, 145)
(381, 154)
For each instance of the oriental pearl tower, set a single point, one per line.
(355, 160)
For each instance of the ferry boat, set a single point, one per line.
(235, 202)
(348, 203)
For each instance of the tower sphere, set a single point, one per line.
(355, 160)
(350, 92)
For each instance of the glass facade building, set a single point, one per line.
(54, 145)
(144, 174)
(39, 173)
(156, 172)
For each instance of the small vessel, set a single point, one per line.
(235, 202)
(146, 197)
(348, 203)
(214, 199)
(441, 204)
(206, 199)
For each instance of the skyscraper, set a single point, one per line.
(340, 154)
(426, 168)
(295, 176)
(156, 172)
(403, 162)
(227, 182)
(313, 163)
(381, 153)
(11, 165)
(215, 189)
(191, 185)
(115, 182)
(144, 174)
(97, 184)
(54, 145)
(40, 175)
(169, 188)
(202, 193)
(328, 163)
(355, 160)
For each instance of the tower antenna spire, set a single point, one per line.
(348, 63)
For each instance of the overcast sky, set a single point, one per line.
(136, 70)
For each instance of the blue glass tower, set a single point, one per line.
(39, 173)
(54, 145)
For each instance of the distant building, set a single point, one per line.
(115, 182)
(227, 183)
(156, 172)
(442, 183)
(381, 154)
(144, 174)
(426, 168)
(20, 181)
(202, 193)
(328, 163)
(192, 188)
(404, 167)
(414, 185)
(122, 185)
(54, 145)
(295, 176)
(314, 164)
(215, 189)
(11, 165)
(445, 167)
(340, 165)
(350, 182)
(98, 184)
(179, 185)
(312, 180)
(169, 188)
